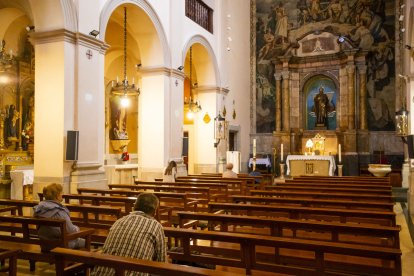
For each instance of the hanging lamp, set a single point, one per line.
(123, 88)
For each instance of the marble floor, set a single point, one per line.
(406, 246)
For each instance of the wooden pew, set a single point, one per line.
(386, 218)
(336, 185)
(235, 185)
(362, 205)
(330, 195)
(284, 227)
(122, 264)
(99, 218)
(27, 240)
(200, 194)
(217, 191)
(283, 255)
(252, 182)
(11, 257)
(176, 201)
(370, 179)
(326, 189)
(98, 200)
(365, 184)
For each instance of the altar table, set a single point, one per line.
(310, 165)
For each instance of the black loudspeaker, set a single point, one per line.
(72, 145)
(185, 146)
(410, 145)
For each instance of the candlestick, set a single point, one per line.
(281, 152)
(254, 147)
(339, 153)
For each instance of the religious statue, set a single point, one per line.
(321, 103)
(11, 122)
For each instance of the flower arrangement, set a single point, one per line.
(125, 156)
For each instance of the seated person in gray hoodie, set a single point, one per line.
(52, 207)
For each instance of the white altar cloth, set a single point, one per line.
(330, 158)
(19, 179)
(261, 161)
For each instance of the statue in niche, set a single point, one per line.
(12, 122)
(321, 103)
(28, 123)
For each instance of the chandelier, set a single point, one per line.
(192, 104)
(123, 88)
(6, 60)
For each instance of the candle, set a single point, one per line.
(281, 152)
(117, 80)
(254, 147)
(339, 154)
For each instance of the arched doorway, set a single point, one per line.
(201, 85)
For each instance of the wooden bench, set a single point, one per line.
(168, 200)
(327, 189)
(200, 194)
(20, 233)
(330, 195)
(336, 185)
(235, 185)
(377, 185)
(386, 218)
(217, 191)
(369, 179)
(122, 264)
(363, 205)
(284, 227)
(283, 255)
(9, 256)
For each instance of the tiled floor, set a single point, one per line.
(406, 245)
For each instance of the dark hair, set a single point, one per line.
(147, 203)
(171, 165)
(51, 191)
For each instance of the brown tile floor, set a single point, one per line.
(406, 245)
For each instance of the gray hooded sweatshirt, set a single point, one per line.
(55, 210)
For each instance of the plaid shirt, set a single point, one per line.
(136, 235)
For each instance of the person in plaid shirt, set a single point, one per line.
(137, 235)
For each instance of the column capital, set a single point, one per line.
(278, 76)
(350, 68)
(285, 75)
(362, 69)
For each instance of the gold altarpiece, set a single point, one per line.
(16, 112)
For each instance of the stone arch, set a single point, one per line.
(111, 5)
(198, 39)
(62, 14)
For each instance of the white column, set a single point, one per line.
(154, 123)
(54, 106)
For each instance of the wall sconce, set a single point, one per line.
(30, 28)
(220, 129)
(180, 68)
(94, 33)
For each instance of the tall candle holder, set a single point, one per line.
(254, 162)
(340, 169)
(282, 171)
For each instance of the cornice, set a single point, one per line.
(68, 36)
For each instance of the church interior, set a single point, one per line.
(298, 93)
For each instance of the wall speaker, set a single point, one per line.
(410, 145)
(72, 145)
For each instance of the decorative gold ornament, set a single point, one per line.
(224, 111)
(206, 118)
